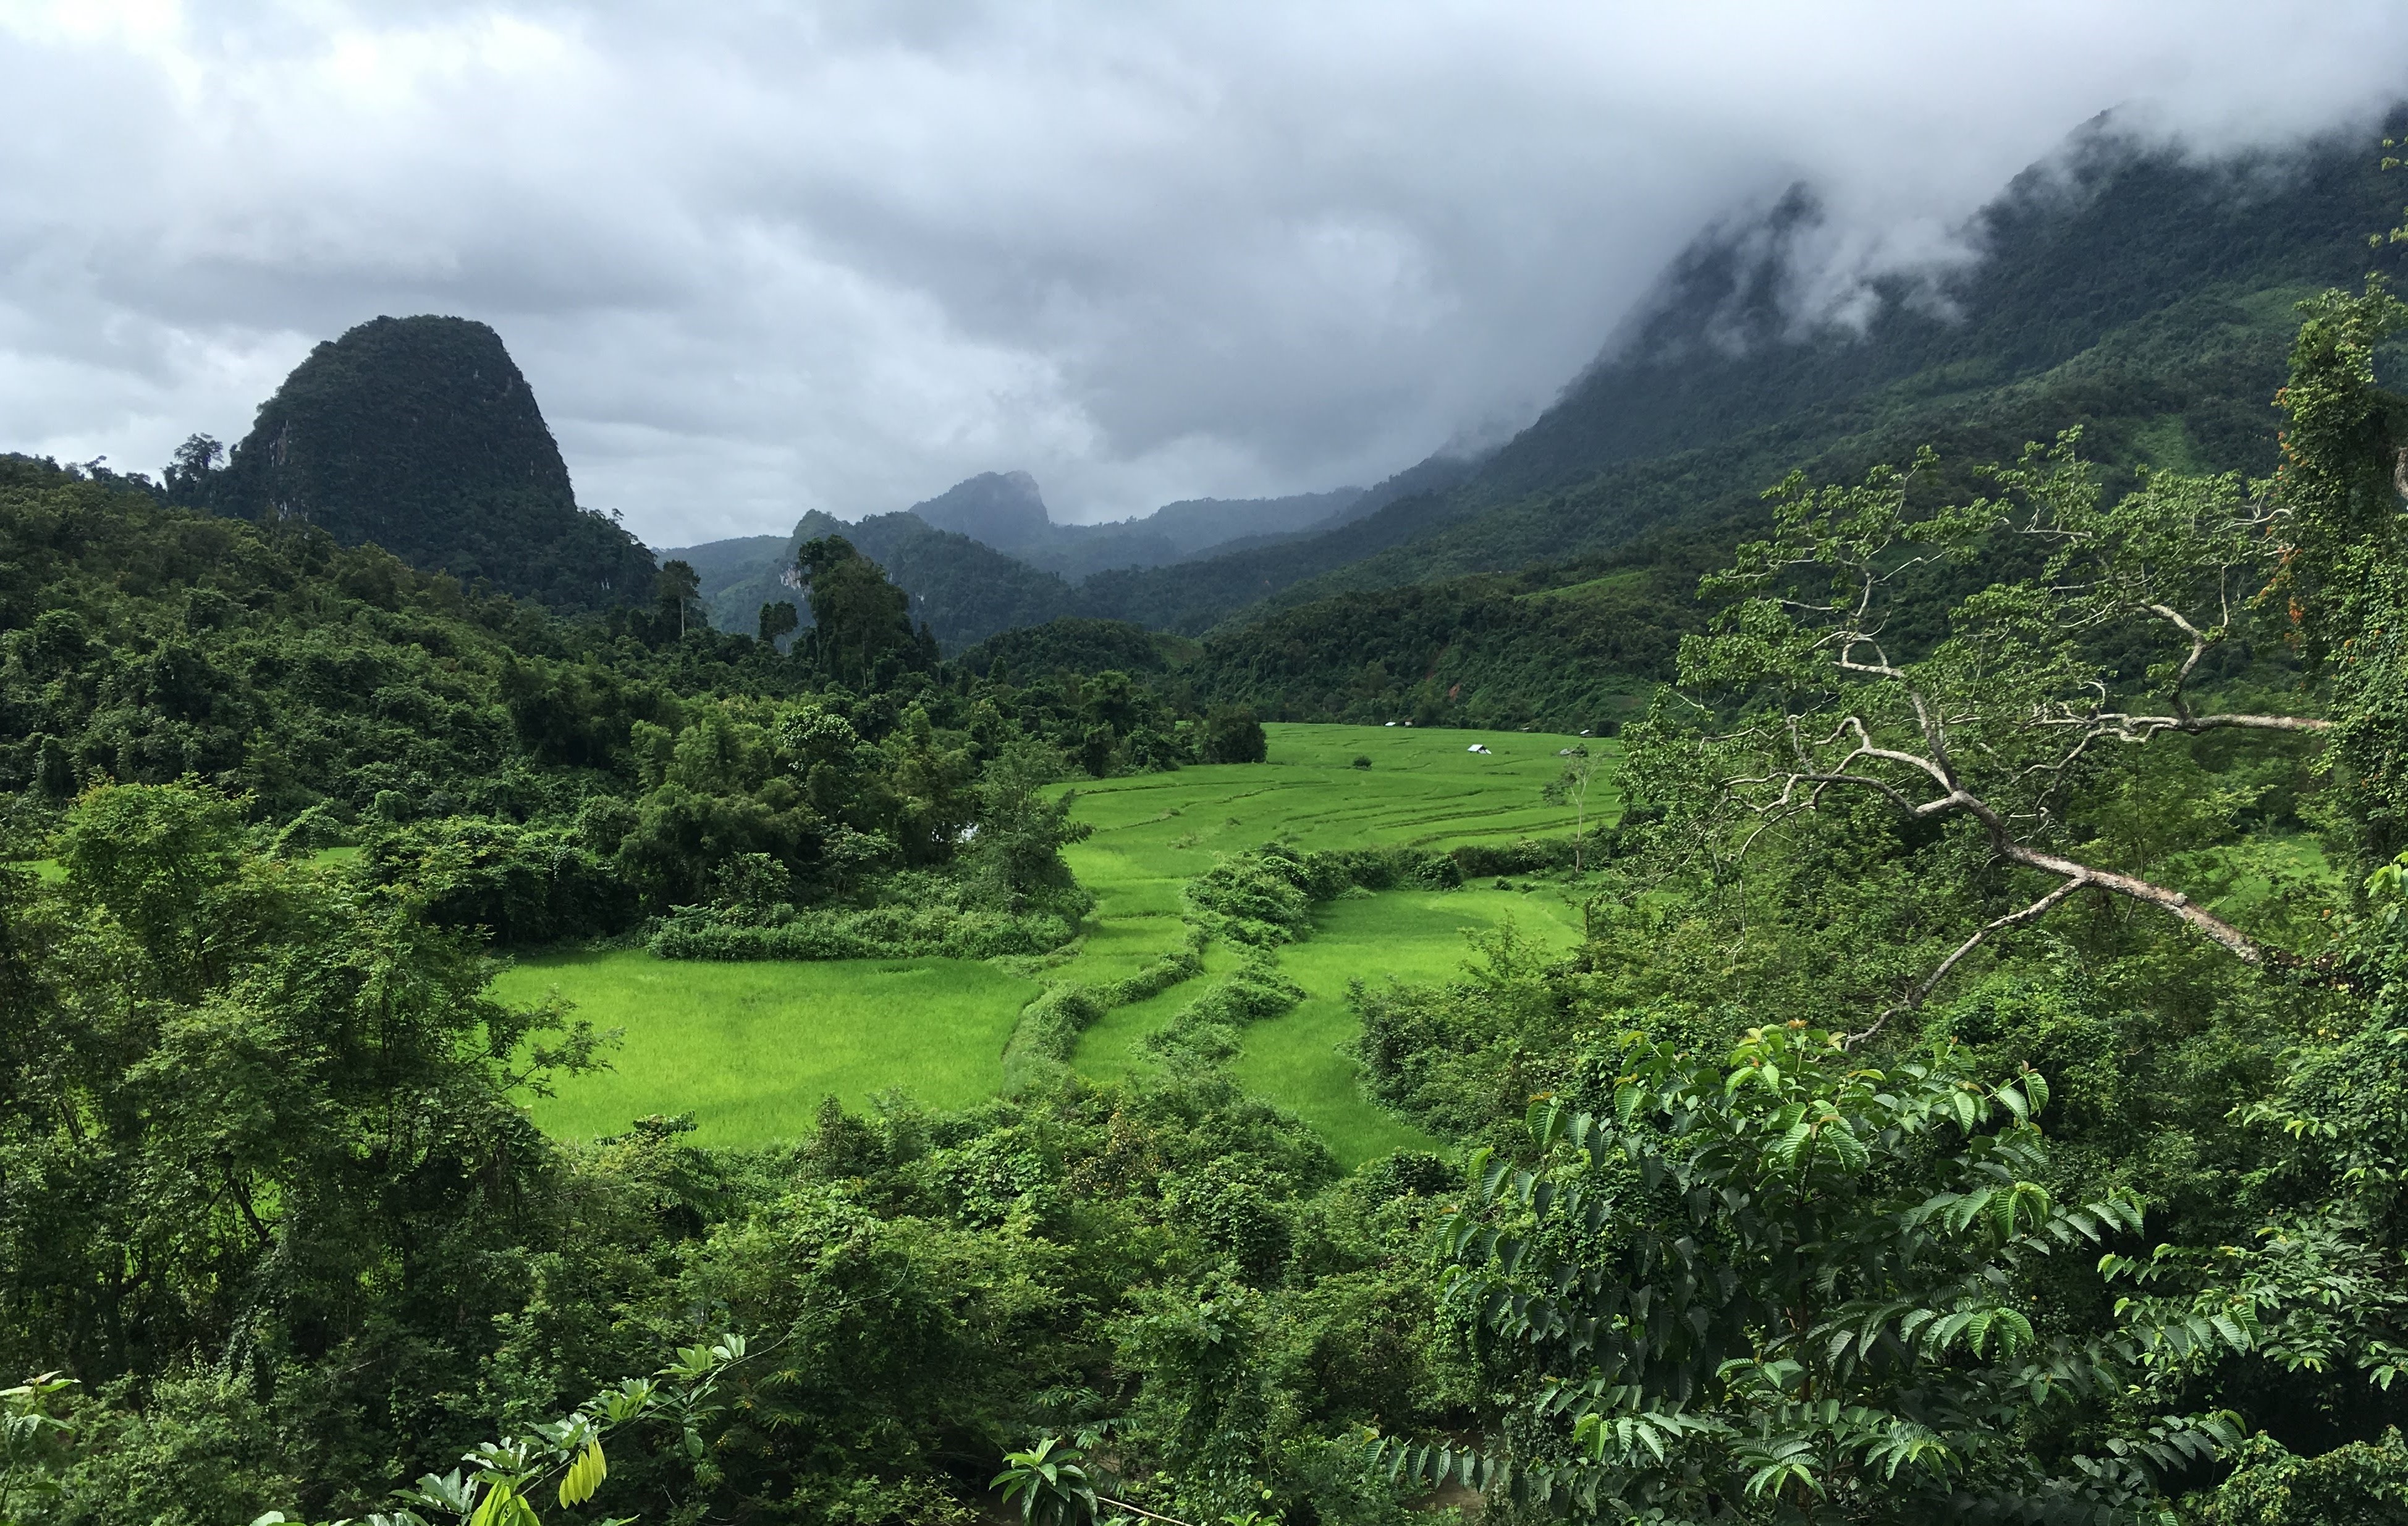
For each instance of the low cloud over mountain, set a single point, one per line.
(760, 262)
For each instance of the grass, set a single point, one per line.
(1154, 831)
(1610, 582)
(1303, 1060)
(50, 872)
(752, 1048)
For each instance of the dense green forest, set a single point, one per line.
(536, 776)
(1981, 1089)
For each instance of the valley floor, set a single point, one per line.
(752, 1048)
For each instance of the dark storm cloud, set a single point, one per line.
(762, 259)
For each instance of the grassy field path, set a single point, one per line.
(752, 1048)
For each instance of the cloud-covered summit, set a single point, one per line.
(760, 260)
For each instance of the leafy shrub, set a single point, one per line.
(1256, 899)
(1525, 855)
(879, 933)
(1234, 736)
(2359, 1483)
(1048, 1031)
(1206, 1029)
(1152, 981)
(1049, 1027)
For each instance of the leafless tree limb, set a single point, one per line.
(2142, 727)
(1930, 983)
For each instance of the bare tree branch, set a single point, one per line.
(2172, 901)
(2142, 727)
(1990, 721)
(1930, 983)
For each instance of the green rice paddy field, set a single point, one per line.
(752, 1048)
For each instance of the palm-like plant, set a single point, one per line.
(1050, 1483)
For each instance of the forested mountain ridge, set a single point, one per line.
(1004, 514)
(1631, 544)
(1007, 511)
(2143, 296)
(1000, 509)
(2133, 289)
(719, 563)
(148, 642)
(421, 436)
(963, 590)
(2138, 290)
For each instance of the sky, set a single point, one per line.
(761, 258)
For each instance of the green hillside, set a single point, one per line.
(1944, 1059)
(2137, 292)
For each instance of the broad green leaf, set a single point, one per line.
(584, 1475)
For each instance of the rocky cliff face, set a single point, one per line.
(1000, 509)
(421, 436)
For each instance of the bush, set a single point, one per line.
(880, 932)
(1528, 855)
(1206, 1029)
(1049, 1027)
(1048, 1032)
(1152, 981)
(1262, 898)
(1256, 899)
(1362, 760)
(1383, 869)
(1234, 736)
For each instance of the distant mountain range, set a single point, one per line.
(2133, 289)
(2143, 294)
(1006, 510)
(985, 556)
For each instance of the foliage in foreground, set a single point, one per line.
(1795, 1281)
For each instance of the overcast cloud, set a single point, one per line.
(759, 258)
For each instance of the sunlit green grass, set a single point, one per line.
(49, 870)
(751, 1048)
(1302, 1060)
(1154, 832)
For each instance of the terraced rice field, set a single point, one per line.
(752, 1048)
(1154, 831)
